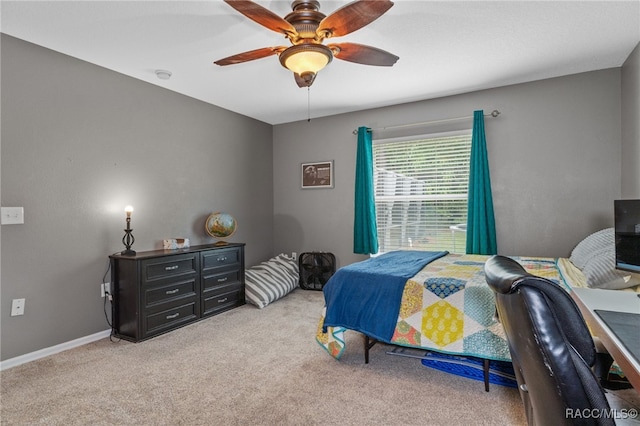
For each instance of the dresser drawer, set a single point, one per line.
(220, 258)
(170, 318)
(221, 279)
(170, 292)
(216, 301)
(170, 266)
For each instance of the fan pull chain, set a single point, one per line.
(308, 104)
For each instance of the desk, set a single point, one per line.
(588, 300)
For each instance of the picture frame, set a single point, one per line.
(315, 175)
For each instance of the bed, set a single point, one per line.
(440, 302)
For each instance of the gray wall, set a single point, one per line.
(79, 142)
(554, 153)
(631, 125)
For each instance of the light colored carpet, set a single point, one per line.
(246, 367)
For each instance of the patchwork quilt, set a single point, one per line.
(448, 307)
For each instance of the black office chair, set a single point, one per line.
(551, 348)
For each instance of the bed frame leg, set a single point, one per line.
(368, 344)
(486, 375)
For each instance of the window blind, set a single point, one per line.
(421, 192)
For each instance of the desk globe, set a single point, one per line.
(221, 225)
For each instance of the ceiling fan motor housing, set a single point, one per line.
(305, 18)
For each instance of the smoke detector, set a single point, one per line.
(163, 74)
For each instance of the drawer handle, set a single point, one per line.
(171, 268)
(223, 300)
(221, 280)
(176, 315)
(222, 258)
(174, 291)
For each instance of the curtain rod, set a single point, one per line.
(493, 114)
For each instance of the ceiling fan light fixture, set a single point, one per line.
(306, 58)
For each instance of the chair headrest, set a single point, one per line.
(502, 273)
(506, 276)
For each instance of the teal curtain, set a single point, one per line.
(365, 230)
(481, 226)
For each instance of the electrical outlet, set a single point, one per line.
(11, 215)
(104, 289)
(17, 307)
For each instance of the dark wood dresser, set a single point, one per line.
(160, 290)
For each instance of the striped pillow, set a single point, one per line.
(270, 280)
(600, 272)
(591, 246)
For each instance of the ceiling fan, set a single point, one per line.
(306, 28)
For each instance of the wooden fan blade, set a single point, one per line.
(362, 54)
(304, 82)
(352, 17)
(250, 55)
(263, 16)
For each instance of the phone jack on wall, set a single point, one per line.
(17, 307)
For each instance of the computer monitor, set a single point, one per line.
(627, 231)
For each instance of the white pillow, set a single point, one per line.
(600, 272)
(271, 280)
(591, 245)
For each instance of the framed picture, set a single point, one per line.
(317, 175)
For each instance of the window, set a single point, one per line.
(421, 191)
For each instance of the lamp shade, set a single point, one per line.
(306, 58)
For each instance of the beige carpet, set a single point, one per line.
(246, 367)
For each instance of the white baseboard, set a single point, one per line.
(23, 359)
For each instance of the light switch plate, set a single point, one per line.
(11, 215)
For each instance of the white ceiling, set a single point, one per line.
(445, 48)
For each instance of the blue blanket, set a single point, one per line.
(366, 296)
